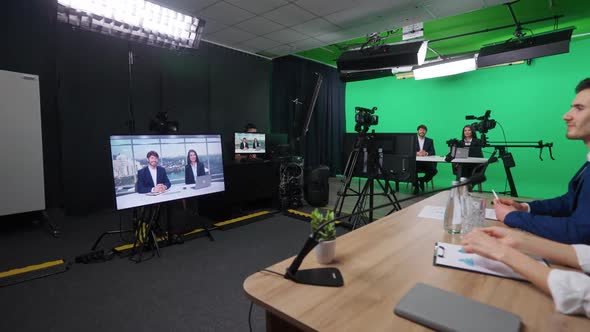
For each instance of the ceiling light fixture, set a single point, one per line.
(445, 68)
(139, 20)
(388, 56)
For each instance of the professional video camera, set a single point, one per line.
(365, 118)
(485, 123)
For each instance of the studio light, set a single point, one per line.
(139, 20)
(445, 68)
(535, 46)
(381, 57)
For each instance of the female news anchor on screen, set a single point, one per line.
(193, 167)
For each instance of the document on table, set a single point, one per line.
(438, 213)
(453, 255)
(432, 212)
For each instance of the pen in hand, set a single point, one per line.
(495, 195)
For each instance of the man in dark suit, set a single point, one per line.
(152, 178)
(424, 147)
(244, 144)
(565, 218)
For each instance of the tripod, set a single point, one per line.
(145, 234)
(372, 167)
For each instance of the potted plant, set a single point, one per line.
(326, 248)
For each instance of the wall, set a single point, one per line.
(528, 101)
(85, 95)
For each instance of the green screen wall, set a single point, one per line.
(528, 101)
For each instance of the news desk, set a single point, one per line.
(380, 263)
(176, 191)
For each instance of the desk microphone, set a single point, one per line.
(331, 276)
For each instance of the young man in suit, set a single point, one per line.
(152, 178)
(424, 147)
(565, 218)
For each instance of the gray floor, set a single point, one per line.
(196, 286)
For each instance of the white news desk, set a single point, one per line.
(176, 191)
(440, 159)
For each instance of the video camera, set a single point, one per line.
(485, 123)
(365, 118)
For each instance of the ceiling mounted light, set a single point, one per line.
(363, 75)
(536, 46)
(379, 57)
(445, 68)
(138, 20)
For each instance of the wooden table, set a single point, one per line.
(382, 261)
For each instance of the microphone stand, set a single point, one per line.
(331, 276)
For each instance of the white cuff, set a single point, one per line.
(583, 254)
(570, 291)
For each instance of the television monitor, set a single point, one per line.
(250, 143)
(172, 157)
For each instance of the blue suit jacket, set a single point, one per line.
(428, 146)
(564, 219)
(144, 179)
(189, 177)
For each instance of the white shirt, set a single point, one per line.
(421, 142)
(154, 173)
(194, 167)
(571, 290)
(466, 142)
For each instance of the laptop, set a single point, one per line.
(460, 152)
(202, 181)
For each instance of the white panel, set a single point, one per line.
(259, 26)
(231, 35)
(259, 43)
(306, 44)
(333, 37)
(258, 6)
(225, 13)
(21, 144)
(191, 6)
(326, 7)
(449, 8)
(289, 15)
(282, 50)
(212, 26)
(286, 36)
(316, 27)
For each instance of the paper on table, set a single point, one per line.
(432, 212)
(491, 214)
(452, 255)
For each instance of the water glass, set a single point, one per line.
(473, 213)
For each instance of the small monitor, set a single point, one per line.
(152, 169)
(250, 143)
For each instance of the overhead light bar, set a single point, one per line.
(138, 20)
(388, 56)
(363, 75)
(445, 68)
(535, 46)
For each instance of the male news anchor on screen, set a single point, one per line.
(152, 178)
(193, 167)
(244, 144)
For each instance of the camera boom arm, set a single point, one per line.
(524, 144)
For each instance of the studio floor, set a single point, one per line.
(195, 286)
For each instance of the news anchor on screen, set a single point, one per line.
(244, 144)
(152, 178)
(193, 167)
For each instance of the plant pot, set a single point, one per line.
(325, 251)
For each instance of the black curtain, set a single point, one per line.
(293, 83)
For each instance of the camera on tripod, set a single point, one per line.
(485, 123)
(365, 118)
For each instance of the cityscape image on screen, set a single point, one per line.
(150, 169)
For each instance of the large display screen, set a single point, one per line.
(250, 143)
(159, 168)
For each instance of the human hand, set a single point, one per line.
(479, 242)
(421, 153)
(518, 206)
(160, 188)
(507, 236)
(502, 210)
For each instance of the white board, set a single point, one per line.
(21, 171)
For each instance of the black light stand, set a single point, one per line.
(508, 160)
(374, 170)
(145, 234)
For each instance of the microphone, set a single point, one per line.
(331, 276)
